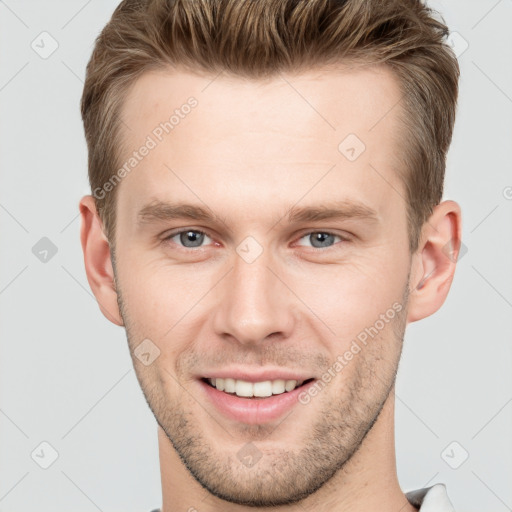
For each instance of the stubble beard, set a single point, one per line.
(281, 476)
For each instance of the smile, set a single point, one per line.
(253, 403)
(260, 389)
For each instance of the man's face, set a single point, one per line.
(266, 289)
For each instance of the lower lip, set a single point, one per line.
(253, 411)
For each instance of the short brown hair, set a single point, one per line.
(261, 38)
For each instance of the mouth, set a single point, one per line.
(255, 390)
(255, 397)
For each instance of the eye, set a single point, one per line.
(321, 239)
(189, 238)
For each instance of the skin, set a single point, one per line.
(249, 152)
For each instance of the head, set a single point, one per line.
(267, 181)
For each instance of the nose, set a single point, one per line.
(254, 303)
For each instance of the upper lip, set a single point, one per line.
(257, 375)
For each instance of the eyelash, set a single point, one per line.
(202, 232)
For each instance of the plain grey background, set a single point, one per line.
(66, 377)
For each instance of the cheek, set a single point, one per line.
(159, 292)
(162, 304)
(350, 297)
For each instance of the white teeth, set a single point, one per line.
(243, 388)
(229, 385)
(278, 386)
(259, 389)
(290, 385)
(262, 388)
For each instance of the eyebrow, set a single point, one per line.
(166, 211)
(340, 210)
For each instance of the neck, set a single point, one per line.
(368, 481)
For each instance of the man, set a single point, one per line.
(266, 219)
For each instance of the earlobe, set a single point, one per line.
(435, 261)
(97, 260)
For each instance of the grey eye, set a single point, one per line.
(321, 239)
(191, 238)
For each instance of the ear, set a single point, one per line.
(97, 259)
(434, 262)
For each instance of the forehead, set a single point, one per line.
(231, 134)
(325, 100)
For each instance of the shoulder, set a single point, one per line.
(431, 499)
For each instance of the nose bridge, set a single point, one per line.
(254, 303)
